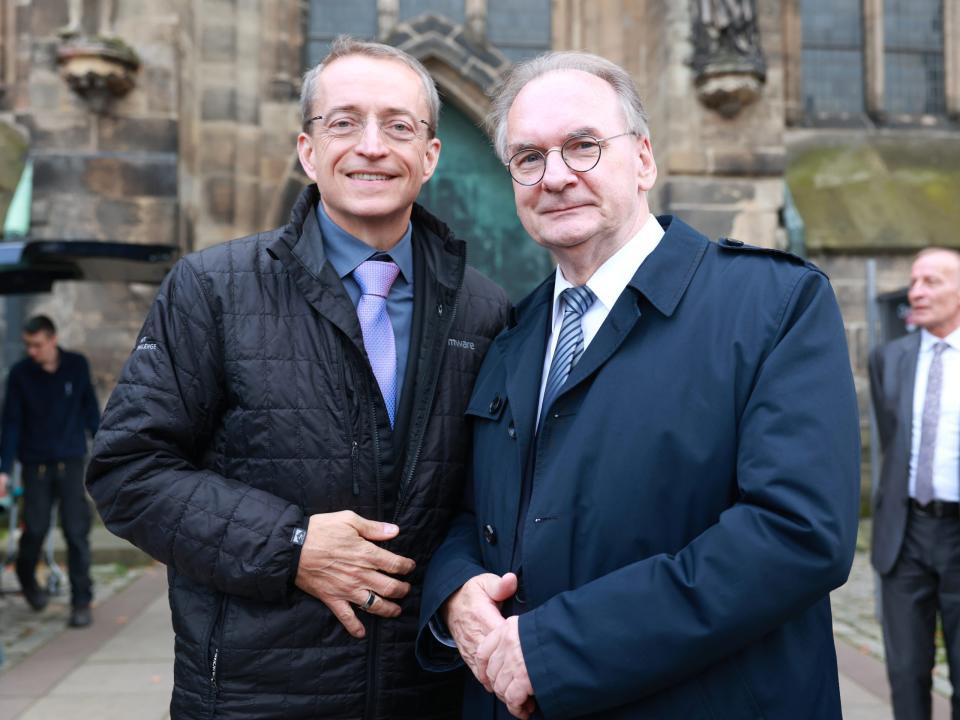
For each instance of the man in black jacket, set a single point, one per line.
(288, 434)
(49, 407)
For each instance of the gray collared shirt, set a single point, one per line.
(345, 252)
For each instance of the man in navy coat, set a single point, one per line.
(665, 472)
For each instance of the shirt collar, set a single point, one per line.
(345, 251)
(609, 280)
(928, 340)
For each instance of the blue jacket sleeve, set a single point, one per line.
(782, 545)
(12, 420)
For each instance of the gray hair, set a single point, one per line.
(344, 46)
(529, 70)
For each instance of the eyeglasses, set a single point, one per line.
(396, 129)
(581, 153)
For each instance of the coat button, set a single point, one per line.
(496, 403)
(490, 534)
(512, 431)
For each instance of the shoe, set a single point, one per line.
(80, 617)
(36, 598)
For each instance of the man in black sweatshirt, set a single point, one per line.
(49, 405)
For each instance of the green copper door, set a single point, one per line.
(472, 192)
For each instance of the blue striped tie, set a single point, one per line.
(577, 301)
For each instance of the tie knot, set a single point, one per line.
(939, 347)
(376, 277)
(578, 299)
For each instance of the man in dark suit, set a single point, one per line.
(665, 467)
(915, 384)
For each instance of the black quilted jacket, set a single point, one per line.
(247, 405)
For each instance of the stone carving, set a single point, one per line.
(97, 64)
(728, 61)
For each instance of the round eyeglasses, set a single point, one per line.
(398, 129)
(581, 153)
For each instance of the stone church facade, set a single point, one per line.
(828, 127)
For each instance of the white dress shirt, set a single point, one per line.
(946, 457)
(607, 283)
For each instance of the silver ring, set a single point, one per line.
(371, 599)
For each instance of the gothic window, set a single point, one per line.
(832, 57)
(519, 30)
(913, 57)
(328, 18)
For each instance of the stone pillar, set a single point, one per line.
(476, 25)
(873, 56)
(240, 112)
(388, 15)
(6, 51)
(951, 49)
(792, 62)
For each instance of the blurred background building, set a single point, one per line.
(826, 127)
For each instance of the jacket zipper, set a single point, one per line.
(354, 445)
(407, 478)
(374, 623)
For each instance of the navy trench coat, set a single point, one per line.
(694, 498)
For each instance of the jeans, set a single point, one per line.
(42, 484)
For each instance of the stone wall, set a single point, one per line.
(195, 154)
(239, 113)
(723, 175)
(109, 176)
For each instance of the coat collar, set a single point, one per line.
(665, 275)
(662, 279)
(299, 247)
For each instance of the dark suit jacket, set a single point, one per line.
(695, 494)
(893, 368)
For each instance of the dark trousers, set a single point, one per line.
(925, 580)
(42, 484)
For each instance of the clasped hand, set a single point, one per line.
(340, 565)
(488, 643)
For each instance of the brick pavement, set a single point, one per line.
(126, 658)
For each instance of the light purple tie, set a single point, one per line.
(375, 278)
(928, 426)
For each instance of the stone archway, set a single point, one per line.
(465, 71)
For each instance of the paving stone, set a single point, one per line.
(23, 631)
(854, 619)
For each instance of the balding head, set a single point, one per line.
(935, 291)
